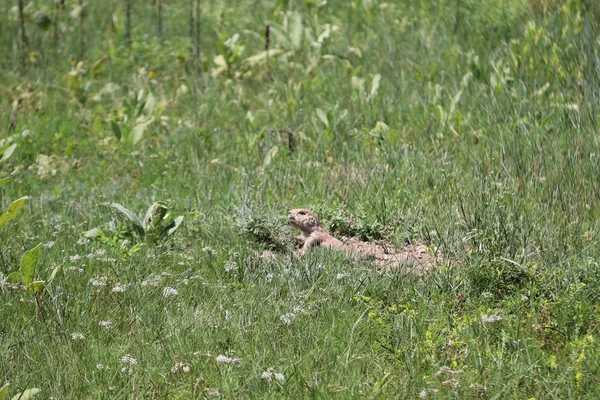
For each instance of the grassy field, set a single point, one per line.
(467, 125)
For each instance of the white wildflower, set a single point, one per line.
(490, 319)
(129, 359)
(486, 295)
(287, 318)
(105, 324)
(153, 281)
(272, 375)
(480, 389)
(212, 393)
(181, 367)
(50, 244)
(83, 241)
(298, 309)
(75, 269)
(231, 266)
(100, 252)
(451, 383)
(426, 392)
(221, 359)
(341, 276)
(100, 367)
(75, 258)
(208, 250)
(447, 371)
(119, 289)
(98, 281)
(77, 336)
(169, 291)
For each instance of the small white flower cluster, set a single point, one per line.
(287, 318)
(119, 288)
(50, 244)
(181, 367)
(75, 258)
(479, 388)
(105, 324)
(77, 336)
(271, 374)
(153, 281)
(129, 359)
(426, 392)
(451, 383)
(169, 292)
(98, 281)
(83, 241)
(212, 393)
(208, 250)
(490, 319)
(221, 359)
(447, 371)
(231, 266)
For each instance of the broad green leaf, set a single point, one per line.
(295, 29)
(116, 130)
(322, 116)
(92, 233)
(26, 394)
(7, 151)
(4, 181)
(44, 161)
(155, 214)
(4, 391)
(270, 155)
(13, 210)
(375, 84)
(36, 286)
(262, 56)
(130, 215)
(53, 274)
(279, 35)
(138, 131)
(14, 276)
(174, 225)
(28, 264)
(150, 105)
(95, 70)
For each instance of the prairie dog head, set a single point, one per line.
(304, 219)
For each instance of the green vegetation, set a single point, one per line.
(468, 125)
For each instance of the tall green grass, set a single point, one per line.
(480, 139)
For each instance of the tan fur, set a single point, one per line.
(312, 232)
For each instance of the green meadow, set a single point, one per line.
(469, 126)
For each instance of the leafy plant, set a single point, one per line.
(156, 223)
(13, 209)
(27, 271)
(26, 394)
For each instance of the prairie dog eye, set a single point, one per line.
(302, 212)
